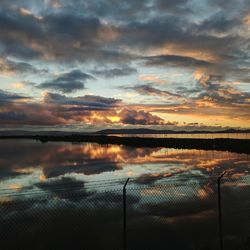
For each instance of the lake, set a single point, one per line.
(191, 136)
(71, 193)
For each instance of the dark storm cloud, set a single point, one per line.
(87, 101)
(218, 23)
(12, 67)
(229, 5)
(213, 44)
(19, 50)
(139, 118)
(63, 36)
(175, 31)
(125, 10)
(67, 82)
(153, 32)
(17, 110)
(96, 34)
(115, 72)
(189, 92)
(18, 32)
(12, 116)
(221, 93)
(24, 114)
(171, 5)
(84, 35)
(58, 109)
(74, 26)
(175, 61)
(10, 97)
(147, 89)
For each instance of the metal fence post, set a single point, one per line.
(220, 211)
(125, 216)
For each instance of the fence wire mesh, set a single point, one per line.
(160, 214)
(180, 216)
(235, 200)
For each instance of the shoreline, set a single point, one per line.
(223, 144)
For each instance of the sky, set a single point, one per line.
(85, 65)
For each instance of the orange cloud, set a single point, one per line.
(152, 78)
(18, 85)
(25, 12)
(182, 49)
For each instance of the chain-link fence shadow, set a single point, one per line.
(180, 215)
(235, 200)
(66, 217)
(147, 213)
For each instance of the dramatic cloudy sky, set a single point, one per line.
(91, 64)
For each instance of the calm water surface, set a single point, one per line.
(71, 190)
(24, 163)
(191, 136)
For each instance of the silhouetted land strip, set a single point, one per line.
(164, 131)
(232, 145)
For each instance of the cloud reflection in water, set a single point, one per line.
(56, 185)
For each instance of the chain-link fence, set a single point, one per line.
(235, 207)
(147, 213)
(173, 216)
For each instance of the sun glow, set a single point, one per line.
(114, 119)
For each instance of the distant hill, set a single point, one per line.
(154, 131)
(112, 132)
